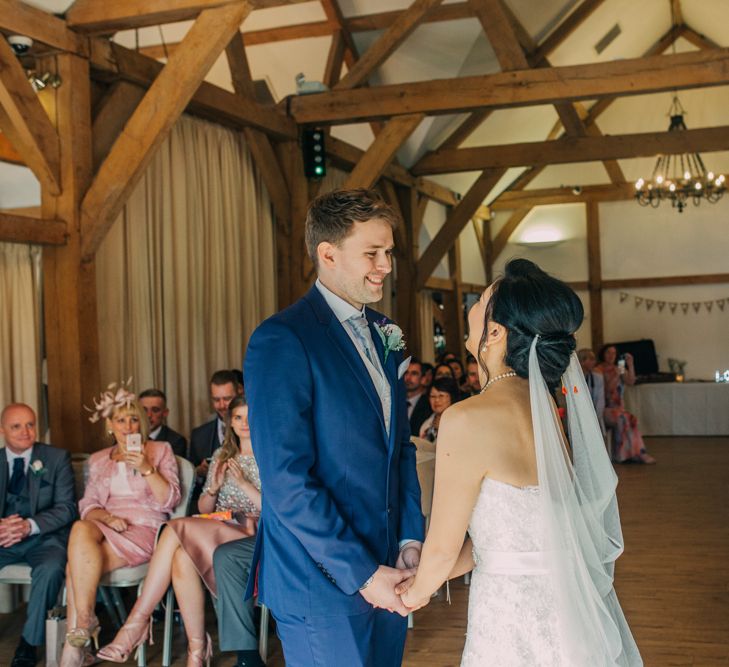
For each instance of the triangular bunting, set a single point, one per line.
(661, 305)
(623, 296)
(696, 306)
(649, 304)
(684, 307)
(709, 305)
(673, 307)
(638, 301)
(720, 303)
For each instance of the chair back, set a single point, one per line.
(187, 484)
(80, 465)
(425, 466)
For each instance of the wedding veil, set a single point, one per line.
(581, 522)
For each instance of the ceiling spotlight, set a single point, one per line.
(20, 44)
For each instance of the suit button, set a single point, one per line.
(389, 509)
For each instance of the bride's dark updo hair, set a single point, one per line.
(526, 301)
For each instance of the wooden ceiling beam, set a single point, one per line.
(566, 28)
(23, 229)
(335, 60)
(382, 151)
(520, 88)
(19, 18)
(25, 122)
(499, 30)
(258, 142)
(92, 16)
(152, 120)
(457, 219)
(698, 40)
(502, 238)
(112, 61)
(8, 153)
(516, 199)
(576, 149)
(386, 44)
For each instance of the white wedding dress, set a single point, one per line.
(512, 611)
(542, 588)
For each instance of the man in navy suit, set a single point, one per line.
(341, 521)
(154, 402)
(37, 506)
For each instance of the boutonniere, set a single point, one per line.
(391, 336)
(37, 468)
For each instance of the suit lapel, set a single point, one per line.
(345, 346)
(34, 480)
(3, 479)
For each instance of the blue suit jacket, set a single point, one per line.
(338, 493)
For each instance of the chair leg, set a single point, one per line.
(110, 605)
(411, 622)
(467, 578)
(119, 604)
(169, 617)
(263, 636)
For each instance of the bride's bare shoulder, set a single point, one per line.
(466, 421)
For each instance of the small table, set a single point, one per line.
(680, 408)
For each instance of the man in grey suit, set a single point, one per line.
(37, 508)
(595, 382)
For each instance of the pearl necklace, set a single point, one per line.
(501, 376)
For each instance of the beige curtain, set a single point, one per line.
(188, 270)
(20, 326)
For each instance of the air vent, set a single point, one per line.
(608, 39)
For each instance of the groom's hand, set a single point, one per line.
(380, 592)
(409, 556)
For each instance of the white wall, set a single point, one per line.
(643, 243)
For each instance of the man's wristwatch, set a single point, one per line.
(367, 583)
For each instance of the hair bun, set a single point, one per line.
(554, 352)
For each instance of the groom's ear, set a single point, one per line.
(325, 253)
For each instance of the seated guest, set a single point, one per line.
(443, 394)
(184, 555)
(473, 382)
(443, 371)
(154, 403)
(37, 506)
(417, 396)
(595, 382)
(427, 375)
(128, 496)
(205, 439)
(627, 442)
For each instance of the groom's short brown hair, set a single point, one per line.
(331, 216)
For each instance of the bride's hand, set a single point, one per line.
(403, 590)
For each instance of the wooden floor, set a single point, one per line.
(672, 581)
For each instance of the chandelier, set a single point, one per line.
(679, 178)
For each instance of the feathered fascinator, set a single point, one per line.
(113, 397)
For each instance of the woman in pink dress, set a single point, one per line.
(128, 496)
(627, 443)
(184, 554)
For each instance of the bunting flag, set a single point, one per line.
(686, 306)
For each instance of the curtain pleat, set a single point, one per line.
(187, 271)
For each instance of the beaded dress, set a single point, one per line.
(200, 537)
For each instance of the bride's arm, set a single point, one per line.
(465, 560)
(458, 476)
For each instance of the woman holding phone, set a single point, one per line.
(184, 553)
(133, 485)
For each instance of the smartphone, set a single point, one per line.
(134, 442)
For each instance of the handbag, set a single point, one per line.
(55, 635)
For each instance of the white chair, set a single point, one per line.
(126, 577)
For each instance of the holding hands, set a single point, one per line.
(380, 592)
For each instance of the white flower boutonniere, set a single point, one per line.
(36, 467)
(391, 336)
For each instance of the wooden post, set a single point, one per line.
(453, 302)
(406, 296)
(69, 286)
(594, 267)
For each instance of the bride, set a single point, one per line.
(541, 514)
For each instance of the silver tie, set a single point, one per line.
(360, 328)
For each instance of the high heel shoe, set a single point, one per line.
(81, 637)
(199, 651)
(73, 656)
(130, 636)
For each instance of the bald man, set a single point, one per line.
(37, 508)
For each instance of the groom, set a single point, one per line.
(341, 518)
